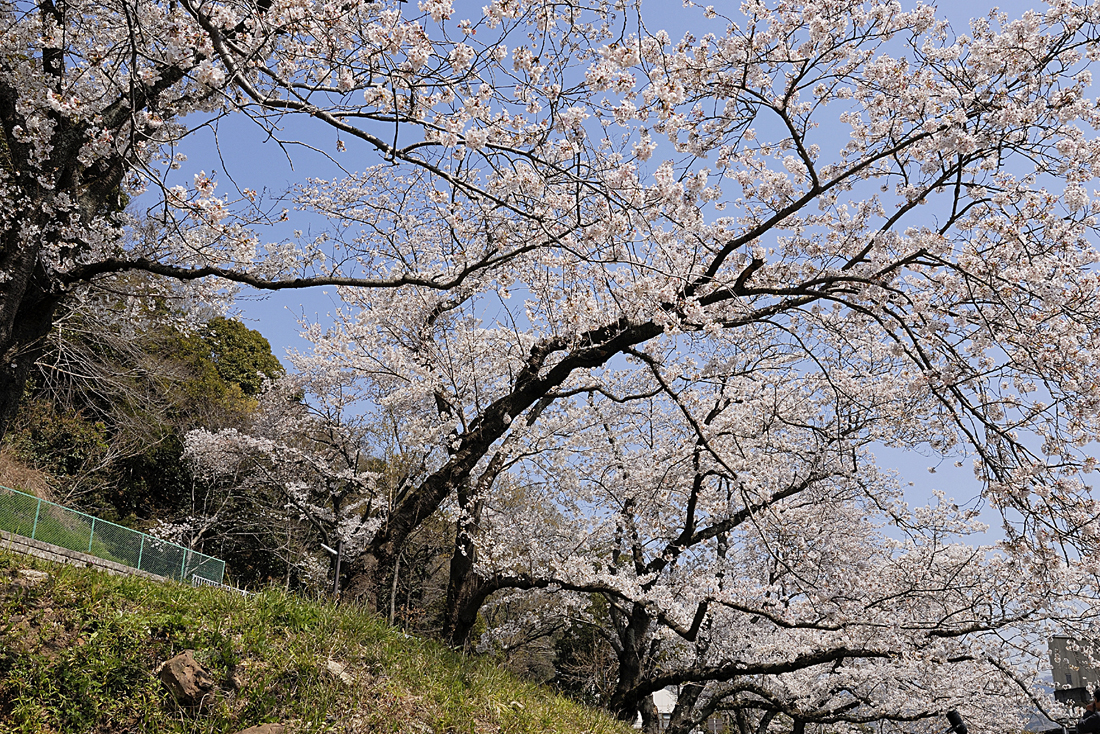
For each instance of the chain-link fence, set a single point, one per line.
(35, 518)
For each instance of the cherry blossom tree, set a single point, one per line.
(295, 466)
(793, 582)
(678, 286)
(929, 282)
(804, 611)
(769, 306)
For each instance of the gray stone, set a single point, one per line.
(338, 671)
(264, 729)
(32, 577)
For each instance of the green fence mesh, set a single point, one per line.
(34, 518)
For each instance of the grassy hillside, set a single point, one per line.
(78, 649)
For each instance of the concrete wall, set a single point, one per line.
(57, 554)
(1073, 664)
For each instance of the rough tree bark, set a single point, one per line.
(463, 584)
(29, 292)
(626, 702)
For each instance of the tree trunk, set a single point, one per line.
(625, 703)
(23, 333)
(370, 570)
(651, 717)
(29, 291)
(464, 587)
(684, 716)
(365, 584)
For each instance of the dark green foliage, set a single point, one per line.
(61, 439)
(224, 366)
(586, 665)
(241, 356)
(123, 435)
(155, 478)
(247, 551)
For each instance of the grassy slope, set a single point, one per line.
(78, 650)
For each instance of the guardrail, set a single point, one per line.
(39, 519)
(199, 581)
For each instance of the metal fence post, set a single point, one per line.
(141, 549)
(37, 510)
(336, 575)
(91, 534)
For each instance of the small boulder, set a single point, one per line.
(338, 671)
(186, 680)
(264, 729)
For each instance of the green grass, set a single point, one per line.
(78, 651)
(55, 525)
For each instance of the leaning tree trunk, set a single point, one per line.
(366, 576)
(466, 591)
(369, 572)
(685, 718)
(651, 717)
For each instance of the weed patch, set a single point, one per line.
(78, 651)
